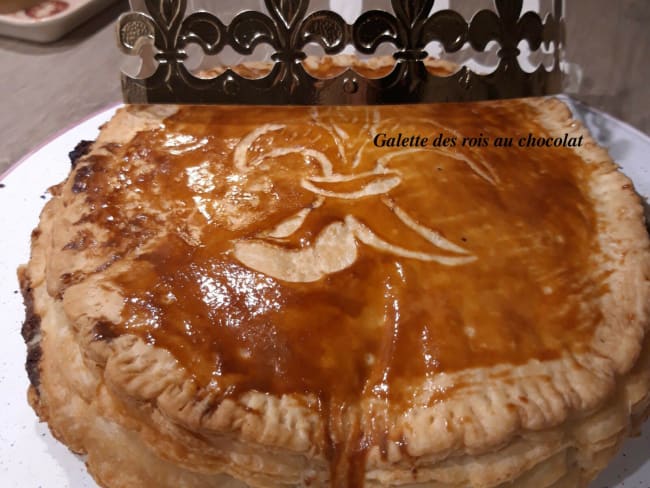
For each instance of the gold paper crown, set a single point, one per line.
(288, 27)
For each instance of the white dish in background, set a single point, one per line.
(31, 458)
(50, 19)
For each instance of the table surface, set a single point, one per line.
(47, 88)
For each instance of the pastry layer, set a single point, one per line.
(263, 294)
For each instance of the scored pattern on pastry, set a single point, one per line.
(342, 237)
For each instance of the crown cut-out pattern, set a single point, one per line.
(288, 29)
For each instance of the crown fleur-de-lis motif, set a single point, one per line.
(508, 28)
(171, 32)
(410, 29)
(288, 31)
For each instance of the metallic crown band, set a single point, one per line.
(288, 28)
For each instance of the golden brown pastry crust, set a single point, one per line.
(545, 423)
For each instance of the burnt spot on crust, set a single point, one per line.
(84, 174)
(32, 324)
(81, 178)
(31, 332)
(103, 331)
(79, 151)
(32, 365)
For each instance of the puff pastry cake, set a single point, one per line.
(230, 297)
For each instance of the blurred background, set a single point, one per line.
(45, 88)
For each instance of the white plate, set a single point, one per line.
(50, 19)
(31, 458)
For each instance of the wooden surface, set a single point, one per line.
(46, 88)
